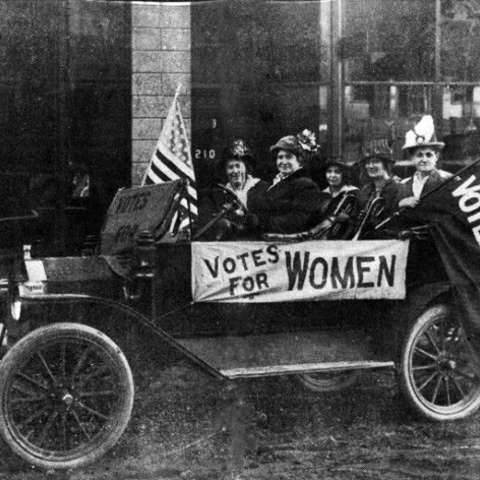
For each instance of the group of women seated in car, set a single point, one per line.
(293, 204)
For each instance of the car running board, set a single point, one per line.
(303, 368)
(286, 353)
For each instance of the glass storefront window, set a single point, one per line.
(65, 90)
(405, 58)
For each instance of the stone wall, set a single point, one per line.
(161, 60)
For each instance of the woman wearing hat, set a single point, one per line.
(379, 197)
(337, 178)
(422, 147)
(232, 198)
(343, 197)
(237, 167)
(293, 202)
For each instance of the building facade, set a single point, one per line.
(85, 87)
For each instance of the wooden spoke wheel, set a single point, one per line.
(436, 374)
(66, 396)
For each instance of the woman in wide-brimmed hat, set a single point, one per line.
(293, 202)
(423, 148)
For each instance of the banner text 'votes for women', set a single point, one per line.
(267, 272)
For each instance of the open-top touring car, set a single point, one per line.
(319, 310)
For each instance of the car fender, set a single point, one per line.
(417, 300)
(42, 309)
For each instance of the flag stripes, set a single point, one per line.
(172, 161)
(162, 170)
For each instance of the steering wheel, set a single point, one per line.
(231, 205)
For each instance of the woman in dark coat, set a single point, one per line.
(423, 149)
(343, 198)
(378, 199)
(336, 173)
(236, 168)
(293, 202)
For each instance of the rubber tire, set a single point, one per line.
(329, 382)
(410, 385)
(105, 350)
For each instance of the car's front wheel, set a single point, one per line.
(436, 375)
(66, 394)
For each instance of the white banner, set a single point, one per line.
(314, 270)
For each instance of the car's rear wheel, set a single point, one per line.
(436, 375)
(328, 382)
(66, 396)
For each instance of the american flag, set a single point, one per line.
(172, 160)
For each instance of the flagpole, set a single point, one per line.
(433, 190)
(179, 89)
(439, 186)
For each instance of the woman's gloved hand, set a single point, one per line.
(223, 229)
(342, 217)
(409, 202)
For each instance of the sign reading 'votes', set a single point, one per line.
(133, 210)
(316, 270)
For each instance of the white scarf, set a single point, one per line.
(345, 188)
(241, 193)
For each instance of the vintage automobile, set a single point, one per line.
(321, 310)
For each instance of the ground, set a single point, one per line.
(188, 426)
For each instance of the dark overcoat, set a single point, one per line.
(389, 193)
(435, 178)
(291, 205)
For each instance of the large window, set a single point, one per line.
(65, 90)
(405, 58)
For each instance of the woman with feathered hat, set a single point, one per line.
(240, 185)
(423, 148)
(293, 202)
(237, 167)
